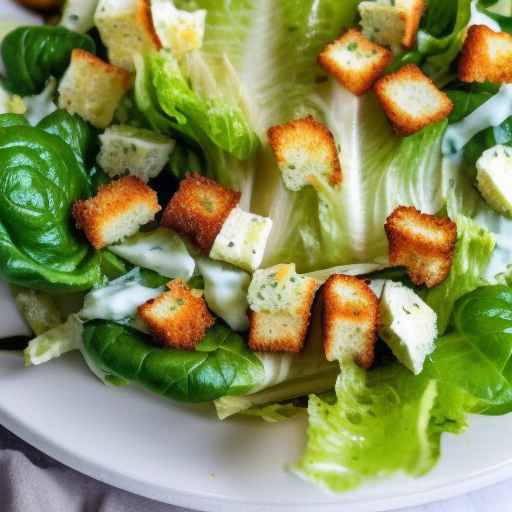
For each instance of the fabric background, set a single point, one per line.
(32, 482)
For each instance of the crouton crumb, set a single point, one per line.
(411, 101)
(305, 149)
(350, 320)
(486, 56)
(117, 211)
(199, 209)
(422, 243)
(355, 61)
(178, 318)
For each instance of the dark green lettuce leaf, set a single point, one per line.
(221, 364)
(40, 179)
(32, 54)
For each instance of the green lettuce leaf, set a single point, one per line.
(472, 255)
(476, 356)
(383, 421)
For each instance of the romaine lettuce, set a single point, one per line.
(473, 252)
(383, 421)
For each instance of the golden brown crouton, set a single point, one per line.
(422, 243)
(178, 318)
(42, 5)
(305, 149)
(92, 88)
(350, 320)
(198, 210)
(392, 23)
(118, 210)
(126, 28)
(486, 56)
(414, 10)
(283, 330)
(411, 100)
(355, 61)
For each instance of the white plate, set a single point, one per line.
(184, 456)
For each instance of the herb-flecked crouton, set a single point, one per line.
(355, 61)
(424, 244)
(280, 302)
(117, 211)
(411, 100)
(350, 320)
(179, 317)
(126, 28)
(305, 150)
(199, 209)
(92, 88)
(486, 56)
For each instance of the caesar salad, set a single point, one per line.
(276, 207)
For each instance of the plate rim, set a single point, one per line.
(210, 502)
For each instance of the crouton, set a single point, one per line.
(242, 239)
(134, 151)
(349, 319)
(422, 243)
(392, 22)
(92, 88)
(198, 210)
(118, 210)
(42, 5)
(126, 28)
(177, 318)
(355, 61)
(411, 101)
(305, 150)
(486, 56)
(280, 302)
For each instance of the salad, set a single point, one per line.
(271, 206)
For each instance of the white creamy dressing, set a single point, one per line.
(490, 114)
(479, 18)
(225, 291)
(160, 250)
(118, 300)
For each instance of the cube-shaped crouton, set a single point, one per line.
(92, 88)
(305, 150)
(118, 210)
(355, 61)
(422, 243)
(126, 28)
(242, 239)
(199, 209)
(486, 56)
(411, 100)
(135, 151)
(177, 318)
(392, 22)
(280, 302)
(350, 320)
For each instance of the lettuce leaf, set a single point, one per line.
(473, 251)
(383, 421)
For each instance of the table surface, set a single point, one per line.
(31, 482)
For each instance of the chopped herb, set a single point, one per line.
(352, 46)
